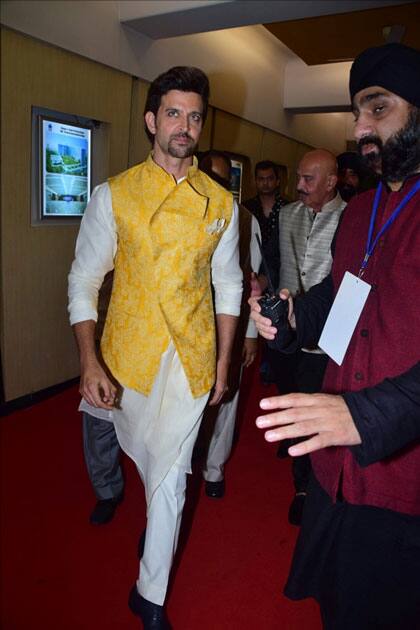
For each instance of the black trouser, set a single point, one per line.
(361, 563)
(299, 372)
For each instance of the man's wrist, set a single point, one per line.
(88, 359)
(222, 369)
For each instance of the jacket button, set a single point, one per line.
(303, 273)
(364, 332)
(358, 376)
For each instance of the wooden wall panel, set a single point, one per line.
(206, 134)
(239, 136)
(283, 151)
(37, 346)
(257, 143)
(139, 142)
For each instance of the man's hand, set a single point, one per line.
(220, 386)
(249, 351)
(324, 418)
(263, 324)
(226, 328)
(95, 386)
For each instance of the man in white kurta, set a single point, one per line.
(243, 354)
(168, 231)
(217, 165)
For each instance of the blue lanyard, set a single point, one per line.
(370, 246)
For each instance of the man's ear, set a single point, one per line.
(332, 181)
(150, 120)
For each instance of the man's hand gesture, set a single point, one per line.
(324, 419)
(95, 386)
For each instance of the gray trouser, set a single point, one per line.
(102, 457)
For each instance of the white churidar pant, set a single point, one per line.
(221, 441)
(158, 432)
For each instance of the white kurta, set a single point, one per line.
(305, 240)
(96, 247)
(222, 438)
(151, 429)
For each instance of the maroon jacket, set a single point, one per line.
(385, 343)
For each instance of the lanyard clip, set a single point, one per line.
(364, 264)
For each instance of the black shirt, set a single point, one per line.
(269, 227)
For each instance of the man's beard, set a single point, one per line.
(347, 191)
(399, 157)
(181, 151)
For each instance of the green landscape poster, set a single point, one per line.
(65, 169)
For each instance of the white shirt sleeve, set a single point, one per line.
(255, 254)
(96, 246)
(225, 269)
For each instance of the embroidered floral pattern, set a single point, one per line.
(167, 234)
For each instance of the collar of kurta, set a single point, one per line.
(330, 206)
(196, 178)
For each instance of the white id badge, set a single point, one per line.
(343, 316)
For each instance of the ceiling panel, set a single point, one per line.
(332, 38)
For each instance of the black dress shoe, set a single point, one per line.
(140, 545)
(152, 615)
(215, 489)
(296, 508)
(104, 511)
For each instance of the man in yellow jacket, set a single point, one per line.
(168, 231)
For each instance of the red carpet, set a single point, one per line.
(58, 572)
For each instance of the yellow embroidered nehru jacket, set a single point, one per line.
(167, 233)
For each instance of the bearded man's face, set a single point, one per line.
(388, 133)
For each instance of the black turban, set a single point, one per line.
(350, 160)
(394, 67)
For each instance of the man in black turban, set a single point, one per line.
(395, 70)
(349, 172)
(394, 67)
(358, 553)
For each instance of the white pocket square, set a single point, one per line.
(216, 227)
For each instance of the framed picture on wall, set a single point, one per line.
(66, 153)
(65, 168)
(236, 174)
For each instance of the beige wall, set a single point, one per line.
(37, 346)
(234, 134)
(36, 342)
(246, 65)
(139, 145)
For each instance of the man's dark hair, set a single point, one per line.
(182, 78)
(264, 165)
